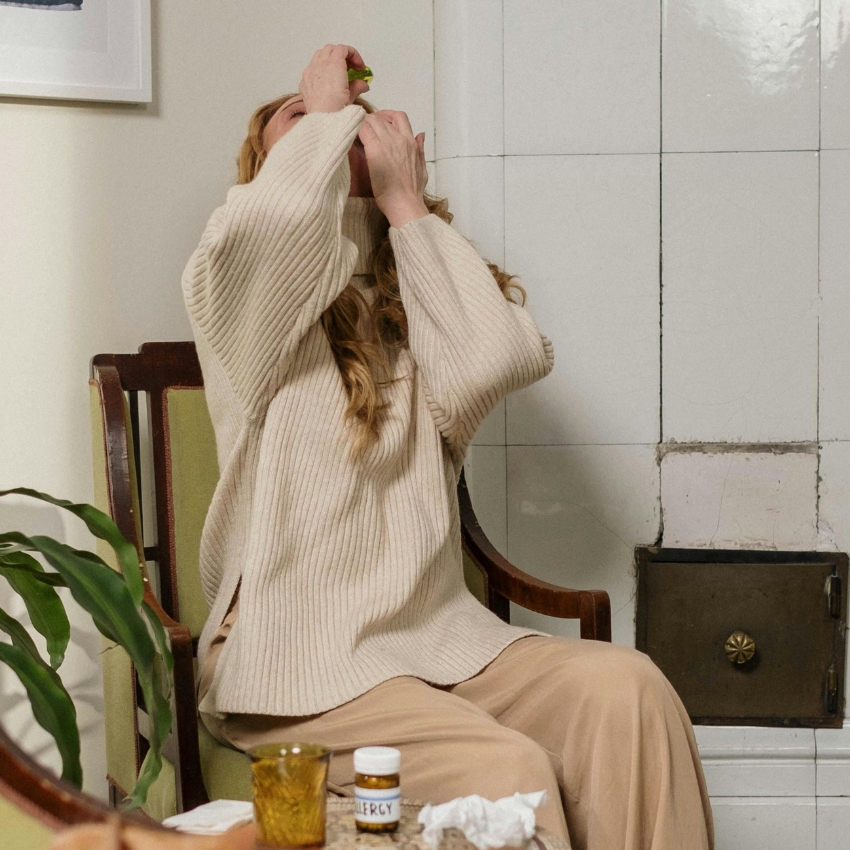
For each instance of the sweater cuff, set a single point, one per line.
(415, 225)
(315, 125)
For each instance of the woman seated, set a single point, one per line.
(351, 343)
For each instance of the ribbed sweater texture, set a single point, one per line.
(351, 572)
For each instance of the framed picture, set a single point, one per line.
(76, 49)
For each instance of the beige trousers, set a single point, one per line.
(595, 724)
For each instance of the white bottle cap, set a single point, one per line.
(377, 761)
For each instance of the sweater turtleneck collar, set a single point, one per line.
(365, 225)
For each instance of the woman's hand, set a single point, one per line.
(324, 83)
(396, 163)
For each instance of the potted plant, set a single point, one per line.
(115, 602)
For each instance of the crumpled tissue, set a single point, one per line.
(212, 818)
(488, 824)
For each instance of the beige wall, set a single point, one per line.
(100, 207)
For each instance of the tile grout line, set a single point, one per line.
(632, 153)
(818, 302)
(660, 264)
(817, 370)
(504, 259)
(434, 82)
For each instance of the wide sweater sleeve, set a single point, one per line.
(471, 345)
(273, 257)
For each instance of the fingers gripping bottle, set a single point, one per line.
(377, 792)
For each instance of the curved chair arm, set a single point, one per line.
(506, 583)
(46, 798)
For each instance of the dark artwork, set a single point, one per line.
(49, 5)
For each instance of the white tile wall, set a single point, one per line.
(468, 79)
(740, 258)
(833, 823)
(430, 186)
(834, 492)
(581, 77)
(397, 42)
(765, 823)
(740, 76)
(835, 294)
(475, 187)
(582, 234)
(835, 73)
(731, 500)
(567, 99)
(486, 477)
(575, 514)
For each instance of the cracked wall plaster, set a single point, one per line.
(740, 499)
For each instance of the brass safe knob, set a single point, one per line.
(740, 647)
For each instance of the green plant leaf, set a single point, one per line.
(81, 591)
(159, 715)
(101, 591)
(159, 636)
(102, 527)
(51, 579)
(52, 707)
(46, 611)
(104, 594)
(20, 636)
(115, 602)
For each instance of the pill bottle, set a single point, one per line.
(377, 792)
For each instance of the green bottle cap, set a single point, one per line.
(357, 74)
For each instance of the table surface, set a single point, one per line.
(342, 834)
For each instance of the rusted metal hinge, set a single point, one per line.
(831, 690)
(833, 596)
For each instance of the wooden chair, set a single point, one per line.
(185, 473)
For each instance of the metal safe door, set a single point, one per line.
(753, 638)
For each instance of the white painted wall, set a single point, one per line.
(671, 182)
(576, 142)
(101, 206)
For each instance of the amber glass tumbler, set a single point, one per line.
(290, 793)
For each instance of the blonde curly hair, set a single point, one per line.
(363, 363)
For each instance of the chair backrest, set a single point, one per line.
(183, 459)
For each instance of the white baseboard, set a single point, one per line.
(773, 788)
(781, 823)
(833, 763)
(757, 761)
(766, 823)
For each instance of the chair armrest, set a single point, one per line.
(182, 747)
(505, 582)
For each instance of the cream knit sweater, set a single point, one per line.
(351, 573)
